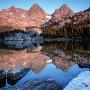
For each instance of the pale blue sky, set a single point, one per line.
(48, 5)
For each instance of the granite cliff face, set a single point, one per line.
(21, 18)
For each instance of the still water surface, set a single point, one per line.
(56, 60)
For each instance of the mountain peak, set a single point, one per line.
(63, 10)
(37, 11)
(36, 6)
(61, 15)
(12, 7)
(64, 6)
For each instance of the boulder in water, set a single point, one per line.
(81, 82)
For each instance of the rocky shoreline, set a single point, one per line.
(81, 82)
(15, 74)
(12, 75)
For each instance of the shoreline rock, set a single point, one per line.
(16, 74)
(81, 82)
(2, 78)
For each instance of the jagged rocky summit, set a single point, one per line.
(21, 18)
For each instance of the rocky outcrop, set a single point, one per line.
(81, 82)
(16, 74)
(12, 76)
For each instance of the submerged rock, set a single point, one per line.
(41, 85)
(15, 74)
(82, 82)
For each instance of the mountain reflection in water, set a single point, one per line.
(57, 60)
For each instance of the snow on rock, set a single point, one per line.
(48, 17)
(23, 16)
(81, 82)
(16, 10)
(11, 13)
(49, 61)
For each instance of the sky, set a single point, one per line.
(48, 5)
